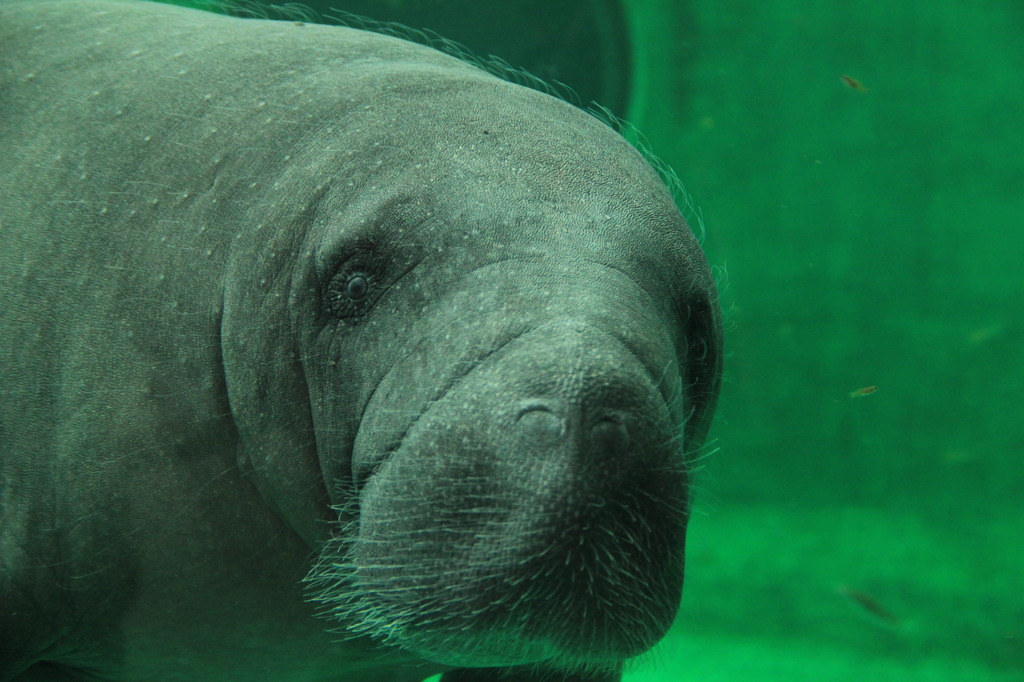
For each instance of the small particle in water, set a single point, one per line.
(984, 334)
(958, 456)
(861, 392)
(869, 604)
(852, 83)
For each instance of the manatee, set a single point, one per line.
(327, 356)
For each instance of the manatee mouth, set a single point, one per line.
(534, 513)
(500, 580)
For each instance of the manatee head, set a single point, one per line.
(512, 346)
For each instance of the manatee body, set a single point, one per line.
(325, 356)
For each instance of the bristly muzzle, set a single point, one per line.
(479, 565)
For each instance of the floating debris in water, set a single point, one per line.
(869, 604)
(861, 392)
(852, 83)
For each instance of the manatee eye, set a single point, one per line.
(358, 281)
(348, 296)
(357, 287)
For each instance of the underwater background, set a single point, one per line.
(858, 167)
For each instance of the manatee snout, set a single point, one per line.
(554, 423)
(536, 511)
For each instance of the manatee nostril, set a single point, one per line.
(539, 423)
(609, 435)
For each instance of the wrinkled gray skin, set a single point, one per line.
(284, 299)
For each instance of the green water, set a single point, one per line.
(870, 237)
